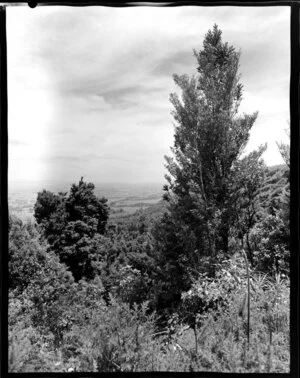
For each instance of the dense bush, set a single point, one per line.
(57, 324)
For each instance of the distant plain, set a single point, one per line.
(123, 198)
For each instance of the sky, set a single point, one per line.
(88, 88)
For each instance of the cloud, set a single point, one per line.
(176, 62)
(126, 96)
(89, 87)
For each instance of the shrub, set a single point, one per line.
(115, 338)
(220, 342)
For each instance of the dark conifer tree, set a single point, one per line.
(210, 136)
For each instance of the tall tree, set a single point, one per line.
(210, 136)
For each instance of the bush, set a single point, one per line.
(270, 244)
(220, 343)
(115, 338)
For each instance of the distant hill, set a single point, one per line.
(147, 215)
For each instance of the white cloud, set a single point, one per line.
(96, 80)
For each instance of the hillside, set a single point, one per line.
(145, 215)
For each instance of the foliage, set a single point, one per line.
(124, 261)
(116, 338)
(57, 324)
(220, 342)
(47, 291)
(70, 224)
(130, 285)
(248, 176)
(46, 204)
(29, 350)
(270, 243)
(209, 137)
(207, 293)
(269, 239)
(26, 254)
(204, 191)
(275, 184)
(83, 205)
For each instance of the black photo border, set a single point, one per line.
(294, 181)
